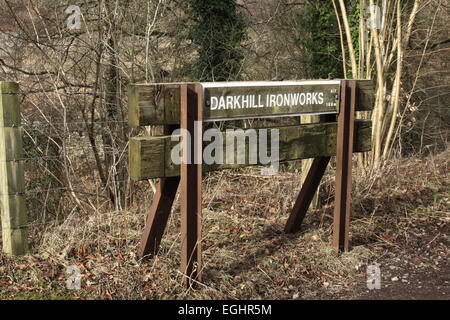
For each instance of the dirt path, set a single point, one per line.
(403, 284)
(420, 271)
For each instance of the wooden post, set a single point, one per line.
(306, 164)
(160, 209)
(191, 182)
(159, 214)
(309, 188)
(12, 186)
(312, 173)
(344, 152)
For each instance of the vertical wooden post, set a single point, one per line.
(12, 186)
(191, 181)
(344, 152)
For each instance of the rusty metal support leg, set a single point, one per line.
(191, 182)
(306, 194)
(342, 205)
(158, 216)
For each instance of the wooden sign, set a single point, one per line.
(159, 104)
(240, 100)
(188, 105)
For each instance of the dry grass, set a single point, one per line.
(247, 256)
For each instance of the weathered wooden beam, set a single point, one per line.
(159, 104)
(153, 104)
(309, 189)
(160, 209)
(12, 185)
(150, 157)
(306, 164)
(191, 186)
(158, 216)
(365, 95)
(342, 199)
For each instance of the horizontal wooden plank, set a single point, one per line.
(159, 104)
(154, 104)
(150, 157)
(365, 99)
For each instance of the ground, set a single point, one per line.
(400, 221)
